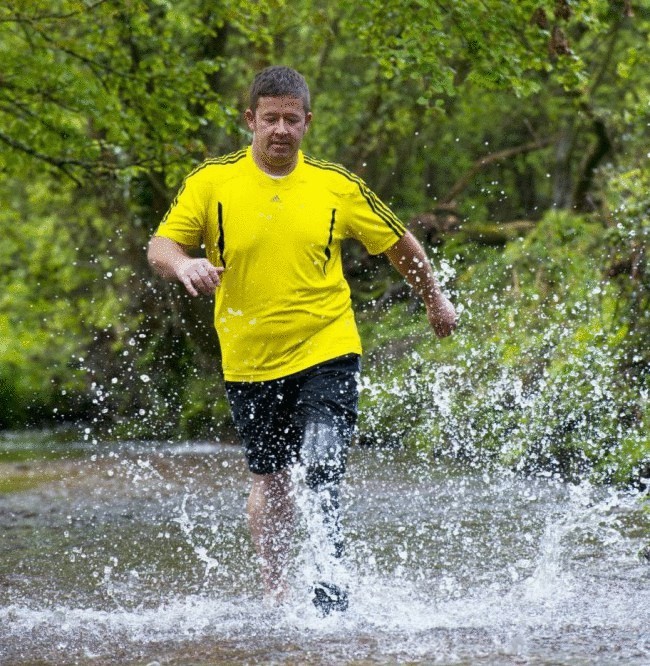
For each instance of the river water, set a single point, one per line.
(140, 555)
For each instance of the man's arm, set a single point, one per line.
(170, 260)
(411, 261)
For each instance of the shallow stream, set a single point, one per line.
(140, 555)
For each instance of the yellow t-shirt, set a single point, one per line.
(283, 304)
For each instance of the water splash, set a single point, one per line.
(445, 565)
(189, 528)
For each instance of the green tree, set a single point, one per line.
(484, 111)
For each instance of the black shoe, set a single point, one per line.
(329, 597)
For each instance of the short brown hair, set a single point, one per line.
(279, 81)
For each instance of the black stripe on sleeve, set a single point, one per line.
(374, 202)
(231, 158)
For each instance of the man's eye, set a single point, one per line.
(290, 120)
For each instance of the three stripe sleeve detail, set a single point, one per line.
(374, 202)
(226, 159)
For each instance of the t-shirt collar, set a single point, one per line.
(264, 177)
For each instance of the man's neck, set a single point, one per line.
(275, 170)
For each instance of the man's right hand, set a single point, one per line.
(171, 261)
(199, 276)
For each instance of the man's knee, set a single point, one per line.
(324, 454)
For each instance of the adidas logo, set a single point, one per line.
(276, 199)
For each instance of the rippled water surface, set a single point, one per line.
(141, 555)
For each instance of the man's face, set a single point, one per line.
(278, 125)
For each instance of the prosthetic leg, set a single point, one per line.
(324, 456)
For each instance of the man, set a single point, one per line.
(272, 220)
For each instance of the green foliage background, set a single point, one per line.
(512, 137)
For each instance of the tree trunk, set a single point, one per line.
(562, 179)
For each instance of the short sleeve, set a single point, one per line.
(186, 219)
(371, 221)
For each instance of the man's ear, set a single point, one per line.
(308, 118)
(250, 119)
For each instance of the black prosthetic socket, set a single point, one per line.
(324, 454)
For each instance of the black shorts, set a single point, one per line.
(270, 416)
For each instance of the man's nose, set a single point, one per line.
(281, 126)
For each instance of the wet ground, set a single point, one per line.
(140, 554)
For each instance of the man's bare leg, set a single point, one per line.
(270, 519)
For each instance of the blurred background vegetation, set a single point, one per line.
(512, 138)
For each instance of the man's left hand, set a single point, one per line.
(442, 316)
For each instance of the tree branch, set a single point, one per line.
(487, 160)
(17, 18)
(54, 161)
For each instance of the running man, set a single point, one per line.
(272, 220)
